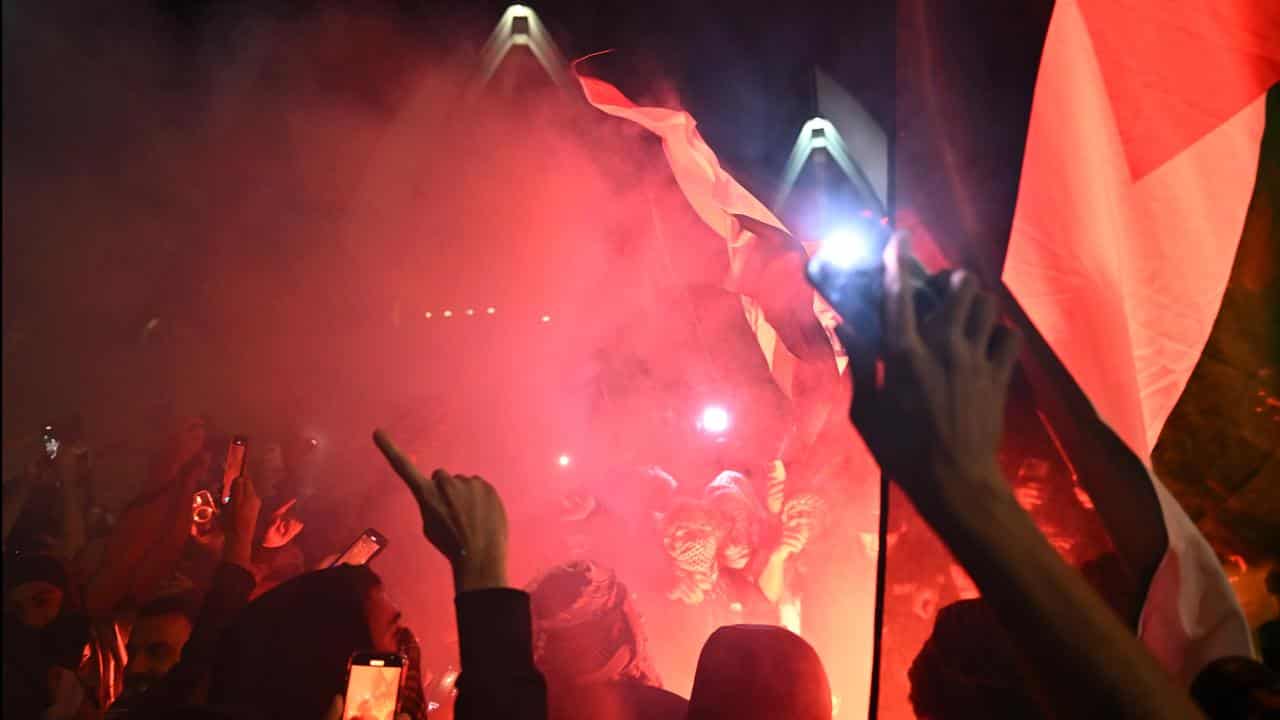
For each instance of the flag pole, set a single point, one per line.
(882, 532)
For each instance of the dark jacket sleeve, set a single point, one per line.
(499, 679)
(227, 596)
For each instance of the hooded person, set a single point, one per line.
(968, 668)
(286, 655)
(44, 638)
(750, 672)
(590, 645)
(730, 494)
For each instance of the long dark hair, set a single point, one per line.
(286, 656)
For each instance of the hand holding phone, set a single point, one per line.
(374, 681)
(239, 520)
(234, 466)
(848, 270)
(365, 548)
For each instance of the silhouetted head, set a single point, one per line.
(286, 655)
(747, 672)
(968, 668)
(585, 628)
(1237, 688)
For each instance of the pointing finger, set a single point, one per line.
(418, 485)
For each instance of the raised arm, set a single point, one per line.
(147, 542)
(1116, 479)
(464, 519)
(73, 470)
(933, 419)
(233, 583)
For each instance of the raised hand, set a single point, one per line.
(933, 418)
(241, 518)
(462, 516)
(284, 526)
(794, 540)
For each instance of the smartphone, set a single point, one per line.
(373, 686)
(365, 548)
(51, 442)
(234, 466)
(203, 508)
(848, 272)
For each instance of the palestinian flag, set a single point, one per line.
(1106, 161)
(1141, 155)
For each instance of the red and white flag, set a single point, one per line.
(764, 260)
(1139, 168)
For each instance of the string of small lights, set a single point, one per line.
(449, 313)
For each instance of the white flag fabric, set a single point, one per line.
(1139, 168)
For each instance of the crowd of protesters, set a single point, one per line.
(165, 613)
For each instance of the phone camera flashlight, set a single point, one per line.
(847, 248)
(51, 443)
(714, 419)
(202, 514)
(564, 460)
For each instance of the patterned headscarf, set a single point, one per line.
(585, 628)
(691, 534)
(731, 495)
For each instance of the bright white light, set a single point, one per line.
(491, 310)
(427, 314)
(546, 318)
(715, 419)
(471, 311)
(847, 248)
(447, 313)
(564, 460)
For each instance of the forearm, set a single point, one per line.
(1115, 478)
(147, 545)
(166, 549)
(126, 550)
(495, 637)
(773, 576)
(1079, 653)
